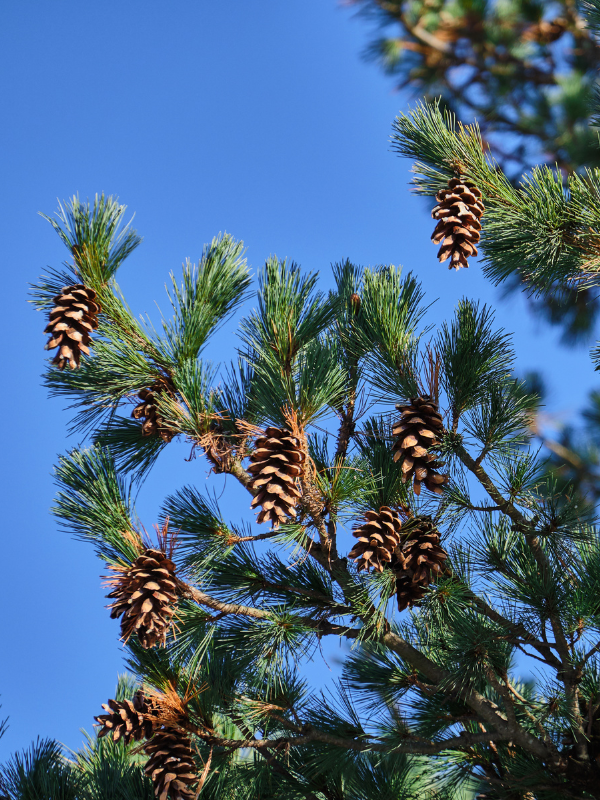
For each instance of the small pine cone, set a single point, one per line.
(145, 596)
(377, 538)
(71, 320)
(459, 210)
(153, 424)
(276, 464)
(417, 433)
(171, 764)
(130, 720)
(356, 302)
(417, 561)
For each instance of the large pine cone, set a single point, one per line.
(131, 719)
(459, 210)
(377, 538)
(153, 424)
(276, 464)
(171, 764)
(71, 320)
(145, 596)
(417, 561)
(417, 431)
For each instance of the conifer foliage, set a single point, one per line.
(440, 589)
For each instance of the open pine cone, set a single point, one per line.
(417, 433)
(71, 320)
(459, 210)
(129, 720)
(171, 764)
(417, 561)
(153, 424)
(145, 597)
(276, 463)
(378, 536)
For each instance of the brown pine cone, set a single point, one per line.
(145, 596)
(71, 320)
(153, 424)
(417, 433)
(459, 210)
(130, 719)
(377, 538)
(417, 561)
(171, 764)
(276, 463)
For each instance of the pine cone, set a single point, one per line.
(276, 464)
(417, 431)
(417, 561)
(171, 764)
(459, 210)
(71, 320)
(131, 719)
(153, 423)
(377, 538)
(145, 595)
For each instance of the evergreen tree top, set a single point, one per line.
(401, 507)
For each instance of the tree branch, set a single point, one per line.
(321, 627)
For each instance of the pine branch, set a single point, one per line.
(569, 674)
(487, 710)
(270, 754)
(307, 733)
(322, 627)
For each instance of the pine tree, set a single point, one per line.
(529, 70)
(445, 583)
(526, 72)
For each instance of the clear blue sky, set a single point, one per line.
(252, 116)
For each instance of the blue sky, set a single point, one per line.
(253, 116)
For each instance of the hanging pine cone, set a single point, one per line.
(129, 720)
(417, 561)
(276, 464)
(171, 764)
(377, 538)
(153, 423)
(145, 596)
(71, 320)
(417, 433)
(459, 210)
